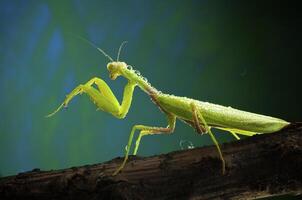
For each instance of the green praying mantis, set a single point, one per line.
(202, 116)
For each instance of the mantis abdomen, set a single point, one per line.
(221, 117)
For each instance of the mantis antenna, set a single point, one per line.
(120, 49)
(101, 50)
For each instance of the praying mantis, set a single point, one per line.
(201, 116)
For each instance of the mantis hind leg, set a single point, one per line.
(235, 135)
(198, 116)
(235, 132)
(146, 130)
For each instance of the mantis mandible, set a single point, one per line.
(202, 116)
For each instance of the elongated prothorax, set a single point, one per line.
(122, 69)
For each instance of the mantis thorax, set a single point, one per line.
(122, 69)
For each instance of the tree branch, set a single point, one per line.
(259, 166)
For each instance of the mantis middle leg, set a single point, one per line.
(103, 97)
(146, 130)
(198, 116)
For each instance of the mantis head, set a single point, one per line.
(115, 69)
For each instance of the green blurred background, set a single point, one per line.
(241, 54)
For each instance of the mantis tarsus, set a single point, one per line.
(202, 116)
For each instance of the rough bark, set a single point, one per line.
(259, 166)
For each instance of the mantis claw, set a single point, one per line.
(57, 110)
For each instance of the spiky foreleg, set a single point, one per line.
(103, 97)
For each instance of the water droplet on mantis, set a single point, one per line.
(137, 72)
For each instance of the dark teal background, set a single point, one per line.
(244, 55)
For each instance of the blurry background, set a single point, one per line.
(239, 54)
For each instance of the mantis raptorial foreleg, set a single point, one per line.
(103, 97)
(146, 130)
(198, 116)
